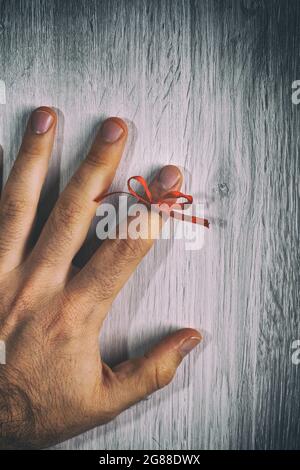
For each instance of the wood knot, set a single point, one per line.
(223, 189)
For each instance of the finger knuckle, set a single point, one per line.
(97, 276)
(32, 153)
(130, 250)
(12, 207)
(160, 376)
(21, 306)
(67, 212)
(94, 159)
(108, 286)
(78, 179)
(62, 322)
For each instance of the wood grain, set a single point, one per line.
(206, 85)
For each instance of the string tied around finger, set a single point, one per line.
(164, 204)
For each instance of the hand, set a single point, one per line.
(54, 384)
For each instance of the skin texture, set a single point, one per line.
(54, 384)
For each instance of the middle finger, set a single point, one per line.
(70, 220)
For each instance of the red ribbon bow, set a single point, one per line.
(168, 200)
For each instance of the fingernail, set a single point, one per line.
(41, 121)
(188, 345)
(168, 177)
(111, 131)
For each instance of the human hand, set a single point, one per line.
(54, 384)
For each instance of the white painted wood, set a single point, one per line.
(206, 85)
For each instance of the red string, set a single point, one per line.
(167, 200)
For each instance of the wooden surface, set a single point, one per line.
(206, 85)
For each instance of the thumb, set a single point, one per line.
(137, 378)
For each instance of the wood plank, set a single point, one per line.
(206, 85)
